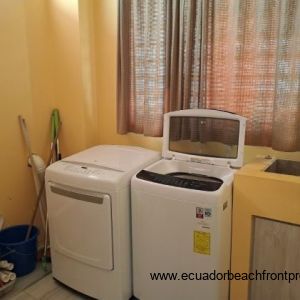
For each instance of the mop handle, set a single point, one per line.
(41, 191)
(25, 132)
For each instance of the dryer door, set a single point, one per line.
(81, 224)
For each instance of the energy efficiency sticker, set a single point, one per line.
(202, 242)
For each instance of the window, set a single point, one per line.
(237, 55)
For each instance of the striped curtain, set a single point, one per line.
(241, 56)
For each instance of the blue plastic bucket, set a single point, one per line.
(14, 248)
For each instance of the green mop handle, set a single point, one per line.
(55, 121)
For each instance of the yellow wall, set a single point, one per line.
(45, 63)
(18, 97)
(106, 13)
(74, 98)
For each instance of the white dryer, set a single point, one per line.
(88, 198)
(181, 208)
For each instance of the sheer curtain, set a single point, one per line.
(159, 61)
(237, 55)
(142, 68)
(253, 67)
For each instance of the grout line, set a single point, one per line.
(31, 296)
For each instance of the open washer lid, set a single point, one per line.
(204, 135)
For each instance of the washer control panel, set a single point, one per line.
(170, 179)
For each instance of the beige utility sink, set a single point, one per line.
(287, 167)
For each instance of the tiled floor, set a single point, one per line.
(26, 281)
(48, 289)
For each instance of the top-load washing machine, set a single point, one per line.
(181, 208)
(88, 198)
